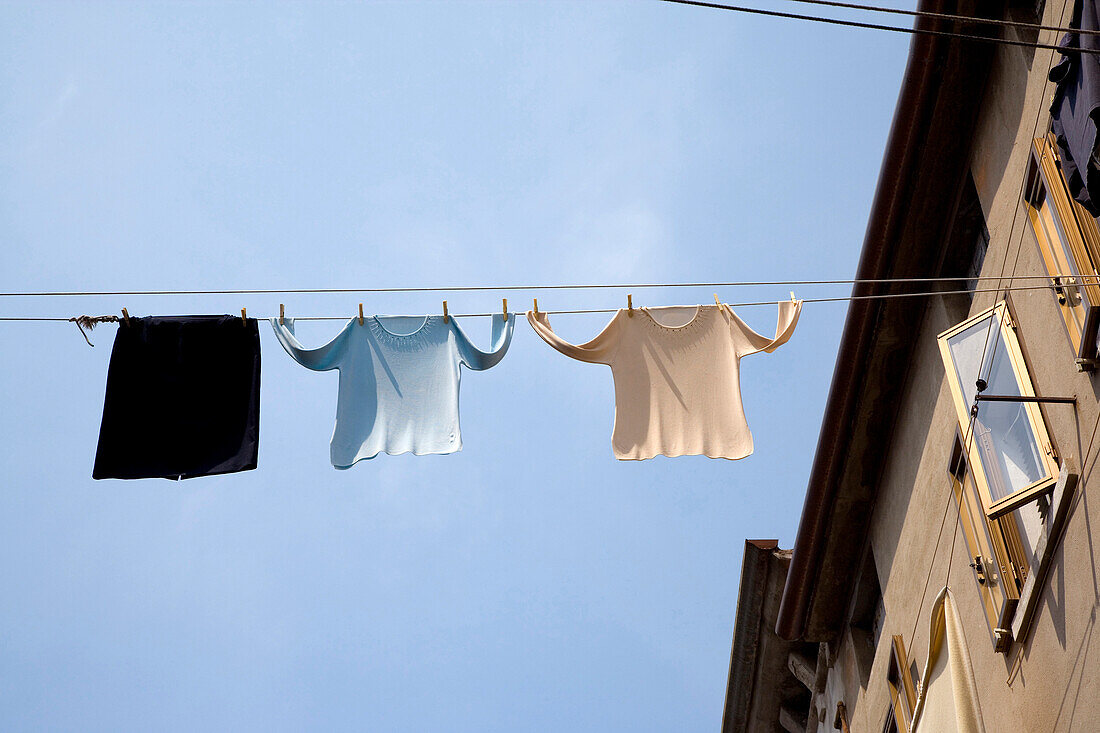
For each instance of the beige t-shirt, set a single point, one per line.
(677, 376)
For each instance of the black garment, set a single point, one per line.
(183, 398)
(1076, 107)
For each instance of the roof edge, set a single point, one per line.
(746, 628)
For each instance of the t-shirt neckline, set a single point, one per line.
(378, 322)
(695, 319)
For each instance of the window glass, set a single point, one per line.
(902, 685)
(1002, 433)
(1029, 526)
(990, 567)
(1001, 550)
(1062, 263)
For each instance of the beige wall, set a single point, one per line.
(1050, 681)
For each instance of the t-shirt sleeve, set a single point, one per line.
(600, 350)
(750, 342)
(479, 360)
(320, 359)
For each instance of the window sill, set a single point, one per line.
(1044, 550)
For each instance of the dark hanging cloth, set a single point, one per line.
(1076, 107)
(182, 400)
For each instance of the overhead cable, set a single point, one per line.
(968, 437)
(879, 27)
(965, 19)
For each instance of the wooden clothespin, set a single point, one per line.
(282, 314)
(792, 297)
(536, 307)
(629, 304)
(360, 314)
(244, 316)
(446, 315)
(126, 316)
(505, 301)
(716, 301)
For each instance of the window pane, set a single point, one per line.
(1064, 264)
(1028, 525)
(979, 543)
(1002, 432)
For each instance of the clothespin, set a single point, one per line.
(126, 316)
(505, 300)
(629, 304)
(716, 301)
(446, 315)
(792, 297)
(536, 307)
(282, 321)
(244, 316)
(360, 314)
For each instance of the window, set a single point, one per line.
(1009, 452)
(901, 679)
(865, 617)
(1069, 242)
(964, 255)
(1000, 549)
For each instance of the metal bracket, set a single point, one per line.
(1087, 365)
(1002, 640)
(1022, 398)
(979, 569)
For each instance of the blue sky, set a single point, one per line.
(530, 582)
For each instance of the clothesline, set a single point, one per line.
(490, 288)
(615, 310)
(168, 414)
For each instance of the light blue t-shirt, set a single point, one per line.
(399, 380)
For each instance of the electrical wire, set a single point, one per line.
(1012, 275)
(880, 27)
(491, 288)
(968, 436)
(966, 19)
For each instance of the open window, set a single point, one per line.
(901, 678)
(1007, 447)
(1069, 242)
(1000, 550)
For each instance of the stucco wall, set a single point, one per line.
(1050, 680)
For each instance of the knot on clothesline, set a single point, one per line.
(89, 323)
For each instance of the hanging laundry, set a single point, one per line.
(1076, 105)
(948, 697)
(677, 376)
(182, 398)
(399, 381)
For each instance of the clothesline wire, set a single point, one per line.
(880, 27)
(502, 288)
(965, 19)
(615, 310)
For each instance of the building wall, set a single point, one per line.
(1047, 681)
